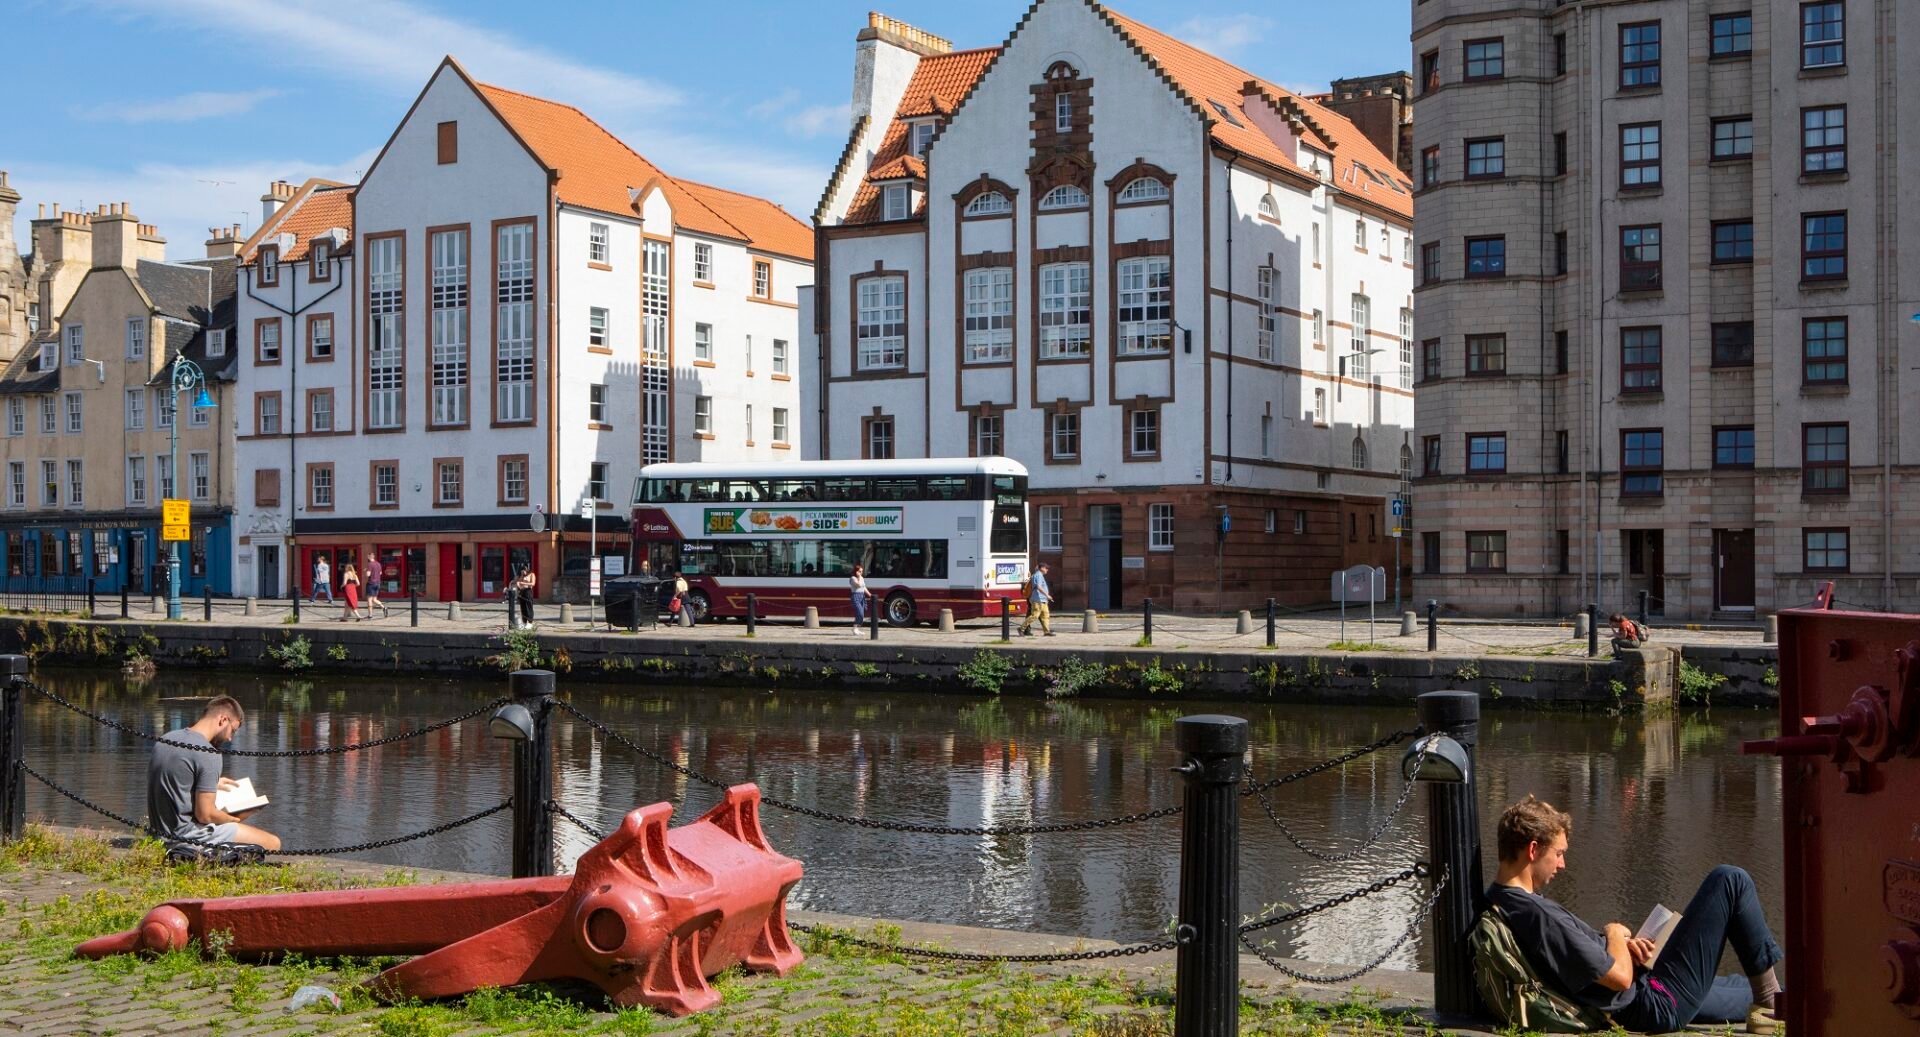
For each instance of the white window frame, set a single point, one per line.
(320, 412)
(76, 483)
(990, 435)
(216, 343)
(703, 342)
(270, 351)
(703, 415)
(597, 403)
(1063, 112)
(703, 262)
(987, 316)
(270, 415)
(880, 439)
(514, 251)
(451, 357)
(76, 418)
(1066, 310)
(49, 355)
(1360, 235)
(1160, 521)
(1266, 436)
(921, 137)
(763, 279)
(49, 483)
(1269, 208)
(779, 356)
(386, 329)
(1143, 428)
(748, 422)
(1406, 347)
(136, 338)
(598, 323)
(457, 484)
(513, 480)
(76, 344)
(896, 202)
(1357, 363)
(136, 409)
(199, 417)
(597, 247)
(780, 427)
(50, 416)
(16, 417)
(988, 203)
(200, 474)
(386, 485)
(1319, 414)
(880, 328)
(1145, 189)
(1361, 456)
(320, 487)
(1064, 428)
(1051, 520)
(1263, 285)
(320, 346)
(1145, 308)
(1065, 197)
(16, 484)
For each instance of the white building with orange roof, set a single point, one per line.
(1180, 293)
(527, 311)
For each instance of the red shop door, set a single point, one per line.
(449, 572)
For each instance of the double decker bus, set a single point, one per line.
(933, 533)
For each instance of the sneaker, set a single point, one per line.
(1049, 633)
(1764, 1019)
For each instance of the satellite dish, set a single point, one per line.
(538, 521)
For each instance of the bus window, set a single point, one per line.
(896, 489)
(1009, 530)
(1008, 489)
(949, 487)
(843, 489)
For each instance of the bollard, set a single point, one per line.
(1090, 622)
(1409, 620)
(157, 605)
(811, 620)
(253, 606)
(1146, 621)
(123, 601)
(296, 603)
(1643, 607)
(946, 621)
(1593, 629)
(566, 614)
(513, 611)
(753, 614)
(873, 619)
(1006, 619)
(206, 601)
(1433, 624)
(1771, 632)
(1206, 987)
(90, 599)
(685, 618)
(1453, 831)
(1581, 623)
(633, 617)
(1270, 623)
(1243, 623)
(453, 610)
(413, 604)
(532, 776)
(13, 747)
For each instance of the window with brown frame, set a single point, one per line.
(1732, 242)
(320, 410)
(1063, 436)
(1733, 446)
(1487, 551)
(513, 479)
(1484, 59)
(762, 279)
(1143, 433)
(1486, 356)
(267, 264)
(319, 338)
(1642, 462)
(1733, 344)
(318, 252)
(1486, 158)
(1823, 459)
(1430, 166)
(1640, 258)
(1823, 351)
(1733, 138)
(1823, 34)
(266, 341)
(1430, 262)
(1640, 359)
(1824, 550)
(1430, 455)
(1823, 139)
(383, 484)
(1429, 359)
(1487, 256)
(1486, 452)
(1639, 55)
(1429, 71)
(266, 487)
(266, 414)
(1640, 156)
(449, 482)
(878, 440)
(320, 486)
(1823, 246)
(448, 138)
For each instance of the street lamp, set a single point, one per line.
(186, 376)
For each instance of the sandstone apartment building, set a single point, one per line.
(510, 314)
(1664, 319)
(1179, 293)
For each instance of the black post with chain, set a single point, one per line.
(532, 775)
(1146, 622)
(1270, 623)
(413, 601)
(1207, 974)
(1593, 629)
(13, 747)
(123, 599)
(1453, 831)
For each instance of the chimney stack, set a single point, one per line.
(115, 237)
(278, 193)
(223, 242)
(9, 202)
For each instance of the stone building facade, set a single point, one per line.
(1664, 318)
(19, 293)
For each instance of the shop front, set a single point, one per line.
(440, 564)
(58, 555)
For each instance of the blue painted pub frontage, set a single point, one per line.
(56, 554)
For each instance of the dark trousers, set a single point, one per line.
(1682, 987)
(526, 607)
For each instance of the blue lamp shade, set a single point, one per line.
(203, 401)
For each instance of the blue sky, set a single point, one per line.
(188, 108)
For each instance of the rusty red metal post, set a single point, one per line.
(532, 690)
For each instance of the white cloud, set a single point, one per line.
(1223, 35)
(788, 180)
(203, 104)
(814, 120)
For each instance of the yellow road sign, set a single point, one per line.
(176, 520)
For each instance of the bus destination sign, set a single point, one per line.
(802, 521)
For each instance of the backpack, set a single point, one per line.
(1514, 992)
(1026, 589)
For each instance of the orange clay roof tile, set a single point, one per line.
(768, 227)
(939, 83)
(317, 207)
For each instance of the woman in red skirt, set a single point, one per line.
(350, 588)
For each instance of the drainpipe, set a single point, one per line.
(1229, 208)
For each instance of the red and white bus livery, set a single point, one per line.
(934, 533)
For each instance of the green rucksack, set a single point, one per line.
(1514, 992)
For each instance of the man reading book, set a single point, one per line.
(1615, 972)
(183, 779)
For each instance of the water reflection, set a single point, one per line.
(1656, 802)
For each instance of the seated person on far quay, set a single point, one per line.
(1626, 633)
(181, 782)
(1607, 970)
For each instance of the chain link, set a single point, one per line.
(1419, 870)
(319, 852)
(1373, 836)
(864, 822)
(555, 808)
(325, 750)
(1326, 765)
(829, 933)
(1413, 926)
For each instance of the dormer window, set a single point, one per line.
(988, 203)
(269, 266)
(216, 343)
(896, 202)
(1269, 208)
(1314, 161)
(1063, 112)
(1066, 196)
(1144, 189)
(49, 355)
(922, 137)
(317, 255)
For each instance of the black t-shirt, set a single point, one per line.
(1567, 953)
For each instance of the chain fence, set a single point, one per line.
(1413, 927)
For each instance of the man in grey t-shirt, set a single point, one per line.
(184, 774)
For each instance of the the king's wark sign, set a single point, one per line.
(793, 522)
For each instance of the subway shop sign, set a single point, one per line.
(804, 521)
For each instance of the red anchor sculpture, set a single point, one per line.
(648, 914)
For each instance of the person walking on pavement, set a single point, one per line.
(862, 597)
(350, 590)
(322, 580)
(682, 594)
(1039, 603)
(374, 571)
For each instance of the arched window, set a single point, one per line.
(1269, 208)
(1144, 189)
(1359, 452)
(989, 203)
(1406, 463)
(1066, 196)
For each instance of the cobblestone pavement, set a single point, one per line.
(1171, 631)
(44, 906)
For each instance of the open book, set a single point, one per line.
(1658, 927)
(240, 798)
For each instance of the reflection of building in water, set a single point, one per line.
(579, 786)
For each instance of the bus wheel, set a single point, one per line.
(900, 609)
(697, 600)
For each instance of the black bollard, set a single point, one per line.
(123, 599)
(873, 619)
(13, 747)
(633, 620)
(1006, 619)
(1593, 629)
(532, 776)
(1433, 624)
(206, 601)
(413, 602)
(753, 608)
(90, 599)
(1270, 624)
(1146, 622)
(1453, 831)
(1643, 607)
(1206, 986)
(295, 596)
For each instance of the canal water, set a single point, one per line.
(1656, 802)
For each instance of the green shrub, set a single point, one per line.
(294, 654)
(1074, 676)
(1696, 684)
(986, 671)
